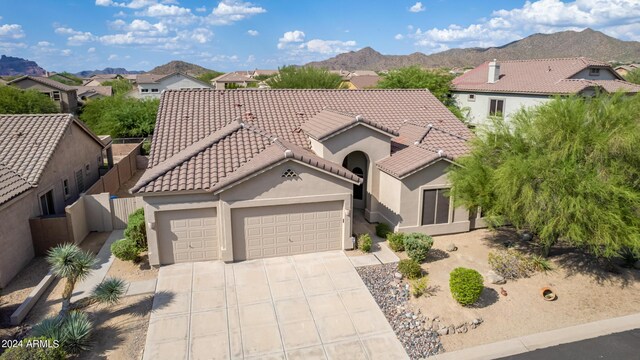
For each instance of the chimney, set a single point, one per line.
(494, 72)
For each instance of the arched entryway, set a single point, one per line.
(358, 163)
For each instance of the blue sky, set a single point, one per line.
(237, 34)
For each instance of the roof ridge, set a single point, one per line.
(187, 153)
(584, 59)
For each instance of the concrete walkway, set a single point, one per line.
(380, 252)
(104, 261)
(312, 306)
(547, 339)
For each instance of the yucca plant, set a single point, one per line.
(108, 292)
(73, 331)
(68, 261)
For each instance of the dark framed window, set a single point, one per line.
(594, 72)
(496, 107)
(46, 203)
(66, 188)
(435, 207)
(80, 181)
(358, 190)
(55, 95)
(144, 90)
(154, 90)
(472, 97)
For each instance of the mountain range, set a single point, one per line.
(12, 66)
(587, 43)
(106, 71)
(180, 66)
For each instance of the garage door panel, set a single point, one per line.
(187, 235)
(300, 228)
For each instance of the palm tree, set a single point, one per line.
(68, 261)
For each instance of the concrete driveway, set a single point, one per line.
(312, 306)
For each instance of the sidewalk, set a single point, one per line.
(104, 260)
(380, 252)
(531, 342)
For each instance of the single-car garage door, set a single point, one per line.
(269, 231)
(187, 235)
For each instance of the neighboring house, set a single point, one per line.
(357, 82)
(98, 79)
(64, 96)
(234, 80)
(503, 88)
(623, 70)
(46, 161)
(152, 85)
(244, 174)
(93, 92)
(257, 72)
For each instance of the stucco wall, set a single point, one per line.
(15, 240)
(175, 82)
(389, 200)
(68, 100)
(77, 220)
(432, 177)
(479, 108)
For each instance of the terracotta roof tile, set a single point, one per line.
(92, 90)
(186, 117)
(365, 81)
(43, 80)
(11, 184)
(538, 76)
(329, 122)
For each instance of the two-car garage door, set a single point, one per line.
(269, 231)
(257, 232)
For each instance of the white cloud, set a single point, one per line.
(329, 46)
(224, 58)
(134, 4)
(199, 35)
(230, 11)
(417, 7)
(201, 9)
(112, 57)
(160, 10)
(65, 52)
(91, 50)
(399, 37)
(289, 37)
(253, 32)
(11, 31)
(75, 37)
(614, 17)
(44, 44)
(251, 58)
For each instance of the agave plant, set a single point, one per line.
(49, 327)
(73, 331)
(108, 292)
(68, 261)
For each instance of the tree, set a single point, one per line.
(437, 81)
(119, 86)
(633, 76)
(69, 262)
(208, 76)
(17, 101)
(121, 116)
(567, 171)
(67, 78)
(306, 77)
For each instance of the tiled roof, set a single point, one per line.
(364, 81)
(104, 76)
(433, 145)
(192, 155)
(92, 90)
(45, 81)
(328, 122)
(149, 78)
(11, 184)
(539, 76)
(236, 76)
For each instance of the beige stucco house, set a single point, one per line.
(46, 161)
(245, 174)
(65, 96)
(234, 79)
(150, 86)
(505, 87)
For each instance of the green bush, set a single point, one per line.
(34, 348)
(396, 241)
(136, 229)
(410, 269)
(125, 250)
(466, 285)
(364, 242)
(417, 246)
(419, 286)
(73, 332)
(382, 230)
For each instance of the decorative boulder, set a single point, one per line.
(494, 278)
(451, 247)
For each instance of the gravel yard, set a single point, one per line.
(412, 327)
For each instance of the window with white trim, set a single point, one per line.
(435, 207)
(144, 90)
(472, 97)
(154, 90)
(55, 95)
(496, 107)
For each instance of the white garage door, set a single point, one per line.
(287, 229)
(187, 235)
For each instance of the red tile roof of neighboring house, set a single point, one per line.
(89, 91)
(196, 145)
(539, 76)
(45, 81)
(365, 81)
(236, 76)
(27, 143)
(329, 122)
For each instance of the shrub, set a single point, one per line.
(136, 229)
(126, 250)
(410, 269)
(417, 246)
(419, 286)
(33, 348)
(511, 264)
(73, 332)
(540, 263)
(466, 285)
(364, 242)
(396, 241)
(109, 291)
(382, 230)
